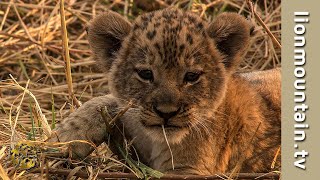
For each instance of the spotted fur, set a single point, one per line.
(221, 121)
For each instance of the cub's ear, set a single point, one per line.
(231, 33)
(106, 33)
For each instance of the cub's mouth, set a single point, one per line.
(156, 128)
(166, 119)
(166, 126)
(150, 124)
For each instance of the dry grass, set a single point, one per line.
(34, 92)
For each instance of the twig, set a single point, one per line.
(162, 3)
(51, 48)
(3, 173)
(275, 158)
(83, 174)
(42, 117)
(22, 23)
(66, 54)
(139, 169)
(5, 15)
(165, 137)
(18, 111)
(106, 116)
(213, 3)
(273, 38)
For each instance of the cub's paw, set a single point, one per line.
(86, 124)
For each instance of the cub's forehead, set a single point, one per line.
(171, 33)
(169, 18)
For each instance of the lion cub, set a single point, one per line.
(179, 71)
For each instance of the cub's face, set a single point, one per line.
(174, 65)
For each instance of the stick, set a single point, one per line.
(84, 174)
(66, 54)
(273, 38)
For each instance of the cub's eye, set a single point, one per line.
(192, 77)
(145, 75)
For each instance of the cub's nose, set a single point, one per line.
(166, 112)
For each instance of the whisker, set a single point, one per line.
(201, 124)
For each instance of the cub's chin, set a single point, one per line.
(174, 134)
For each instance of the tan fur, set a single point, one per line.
(219, 121)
